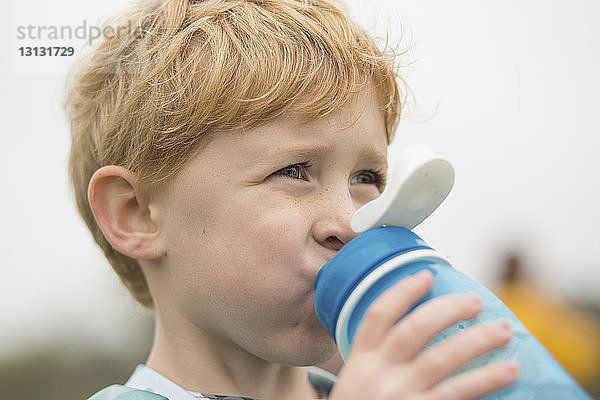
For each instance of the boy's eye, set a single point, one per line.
(295, 171)
(300, 171)
(365, 177)
(370, 178)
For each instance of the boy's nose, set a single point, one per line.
(334, 235)
(332, 230)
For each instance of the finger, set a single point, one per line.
(441, 360)
(477, 383)
(417, 329)
(389, 307)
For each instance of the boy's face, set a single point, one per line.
(247, 226)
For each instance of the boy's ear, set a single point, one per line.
(128, 223)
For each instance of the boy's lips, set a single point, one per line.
(320, 265)
(329, 255)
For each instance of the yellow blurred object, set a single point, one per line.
(571, 335)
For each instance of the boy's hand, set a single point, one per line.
(386, 361)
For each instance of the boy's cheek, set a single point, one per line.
(278, 222)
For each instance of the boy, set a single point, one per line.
(219, 150)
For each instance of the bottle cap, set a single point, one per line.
(338, 277)
(419, 181)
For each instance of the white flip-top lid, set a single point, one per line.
(419, 180)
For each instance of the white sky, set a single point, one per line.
(506, 90)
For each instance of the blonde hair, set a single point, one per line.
(177, 72)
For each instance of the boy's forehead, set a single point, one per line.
(361, 120)
(295, 140)
(320, 151)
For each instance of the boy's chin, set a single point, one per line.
(312, 352)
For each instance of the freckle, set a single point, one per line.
(203, 231)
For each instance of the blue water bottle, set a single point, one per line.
(384, 254)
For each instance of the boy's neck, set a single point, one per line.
(203, 364)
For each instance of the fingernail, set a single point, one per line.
(474, 298)
(422, 275)
(505, 325)
(511, 368)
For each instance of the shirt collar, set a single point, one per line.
(145, 378)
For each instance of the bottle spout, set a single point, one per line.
(419, 182)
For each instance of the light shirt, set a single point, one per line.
(145, 378)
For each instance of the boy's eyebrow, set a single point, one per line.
(375, 156)
(367, 154)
